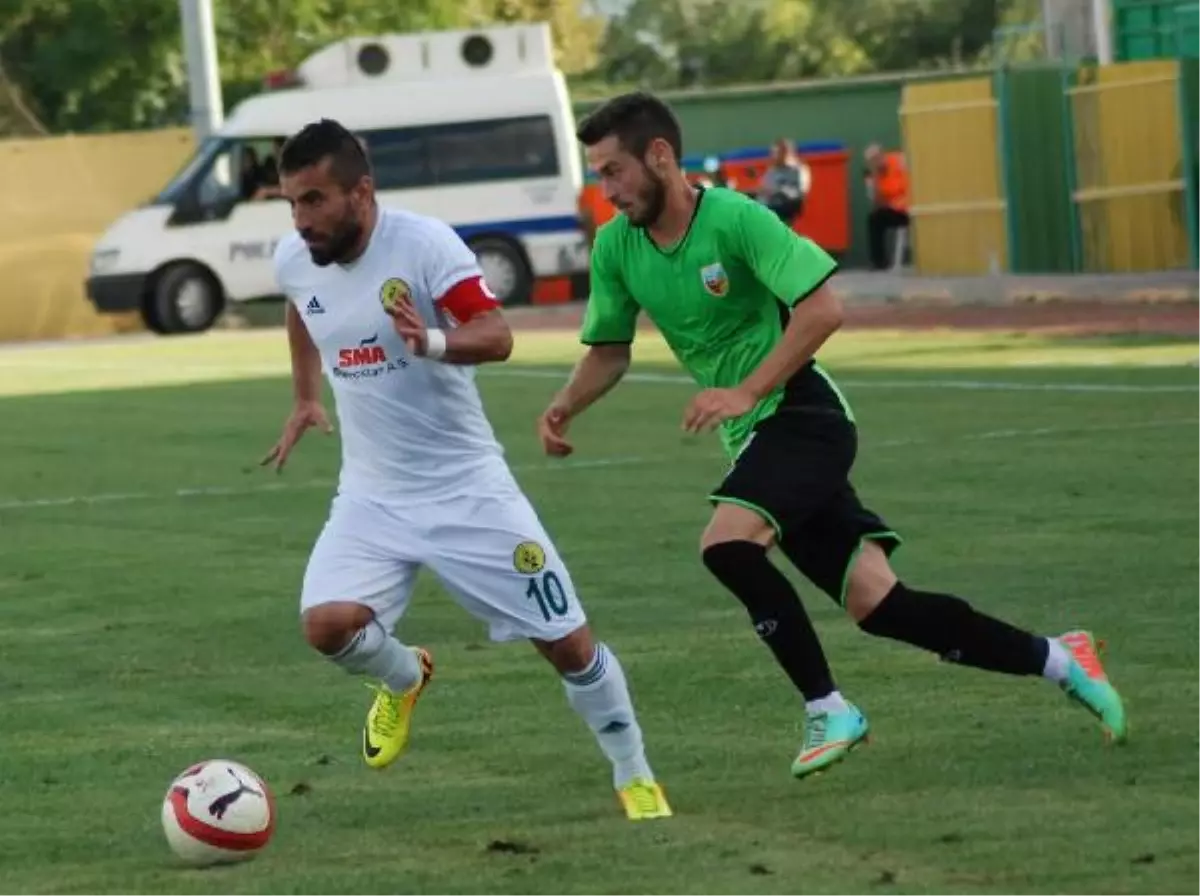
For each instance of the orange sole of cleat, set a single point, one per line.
(861, 742)
(426, 661)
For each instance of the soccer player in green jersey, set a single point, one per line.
(744, 303)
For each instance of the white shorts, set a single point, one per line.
(490, 552)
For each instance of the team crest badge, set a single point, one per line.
(529, 558)
(393, 291)
(715, 280)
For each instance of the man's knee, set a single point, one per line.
(328, 628)
(735, 523)
(743, 567)
(569, 654)
(727, 559)
(871, 579)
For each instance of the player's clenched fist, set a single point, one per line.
(552, 429)
(304, 416)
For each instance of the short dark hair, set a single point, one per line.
(326, 139)
(636, 119)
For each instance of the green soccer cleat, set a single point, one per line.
(828, 738)
(1088, 685)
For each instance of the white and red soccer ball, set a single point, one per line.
(218, 812)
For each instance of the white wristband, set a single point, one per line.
(435, 344)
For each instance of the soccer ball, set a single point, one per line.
(218, 812)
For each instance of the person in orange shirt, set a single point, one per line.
(887, 184)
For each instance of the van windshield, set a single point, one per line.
(174, 189)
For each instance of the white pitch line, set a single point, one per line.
(996, 386)
(218, 491)
(237, 370)
(967, 385)
(234, 368)
(1064, 430)
(1033, 432)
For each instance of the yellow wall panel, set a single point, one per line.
(957, 201)
(59, 194)
(1129, 167)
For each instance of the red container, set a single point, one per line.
(826, 215)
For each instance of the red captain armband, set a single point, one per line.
(467, 299)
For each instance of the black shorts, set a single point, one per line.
(795, 473)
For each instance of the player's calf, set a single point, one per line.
(954, 630)
(778, 616)
(832, 726)
(940, 623)
(597, 689)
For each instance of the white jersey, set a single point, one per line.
(411, 428)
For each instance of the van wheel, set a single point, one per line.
(150, 316)
(185, 299)
(505, 270)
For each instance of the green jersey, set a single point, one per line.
(721, 298)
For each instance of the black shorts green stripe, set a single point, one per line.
(795, 473)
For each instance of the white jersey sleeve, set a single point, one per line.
(447, 260)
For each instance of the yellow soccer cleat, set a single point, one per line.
(386, 733)
(643, 800)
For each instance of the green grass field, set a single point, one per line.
(148, 619)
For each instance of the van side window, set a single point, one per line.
(220, 181)
(463, 153)
(504, 149)
(260, 169)
(399, 159)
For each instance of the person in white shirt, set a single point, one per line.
(786, 183)
(393, 309)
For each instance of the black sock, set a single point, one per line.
(776, 612)
(956, 631)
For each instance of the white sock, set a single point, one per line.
(834, 702)
(375, 653)
(1058, 661)
(600, 694)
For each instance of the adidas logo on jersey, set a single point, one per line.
(314, 307)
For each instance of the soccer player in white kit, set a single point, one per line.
(393, 309)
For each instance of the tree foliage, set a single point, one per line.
(80, 65)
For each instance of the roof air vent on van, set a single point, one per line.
(477, 51)
(373, 59)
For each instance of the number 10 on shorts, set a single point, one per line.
(548, 592)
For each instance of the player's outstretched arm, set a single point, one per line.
(601, 368)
